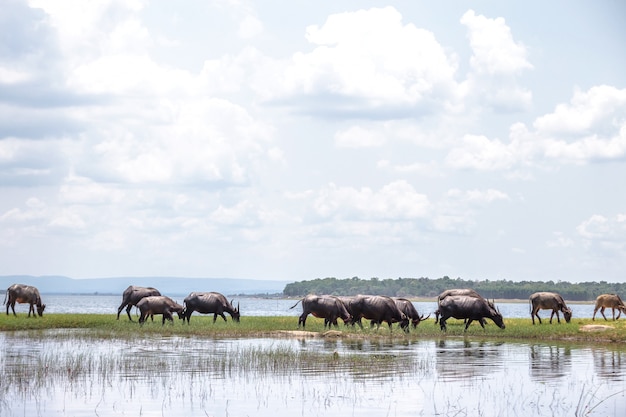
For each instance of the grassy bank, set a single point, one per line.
(105, 325)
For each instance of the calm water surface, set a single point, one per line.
(60, 373)
(250, 306)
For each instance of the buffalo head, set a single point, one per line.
(498, 319)
(567, 313)
(236, 315)
(40, 309)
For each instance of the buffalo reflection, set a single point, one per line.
(463, 359)
(548, 363)
(609, 364)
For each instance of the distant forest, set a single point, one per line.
(426, 287)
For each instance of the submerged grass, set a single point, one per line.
(105, 325)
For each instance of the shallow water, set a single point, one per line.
(59, 373)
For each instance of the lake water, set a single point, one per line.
(61, 373)
(252, 306)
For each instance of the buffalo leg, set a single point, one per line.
(167, 315)
(119, 310)
(302, 320)
(187, 315)
(12, 308)
(128, 312)
(442, 324)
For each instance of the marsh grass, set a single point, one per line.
(105, 325)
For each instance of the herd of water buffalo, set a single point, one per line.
(465, 304)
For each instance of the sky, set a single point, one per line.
(297, 140)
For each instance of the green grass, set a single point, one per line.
(103, 325)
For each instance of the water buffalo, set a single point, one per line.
(158, 304)
(457, 291)
(377, 309)
(24, 294)
(611, 301)
(549, 301)
(207, 303)
(327, 307)
(408, 308)
(131, 297)
(470, 308)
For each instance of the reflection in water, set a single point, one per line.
(55, 374)
(609, 365)
(459, 359)
(549, 362)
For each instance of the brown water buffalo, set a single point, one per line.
(408, 308)
(131, 297)
(24, 294)
(377, 309)
(327, 307)
(159, 304)
(549, 301)
(612, 301)
(207, 303)
(470, 308)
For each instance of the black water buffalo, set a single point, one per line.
(408, 308)
(24, 294)
(548, 301)
(455, 291)
(159, 304)
(131, 297)
(470, 308)
(207, 303)
(377, 309)
(327, 307)
(612, 301)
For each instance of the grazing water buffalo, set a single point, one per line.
(131, 297)
(377, 309)
(207, 303)
(470, 308)
(158, 304)
(24, 294)
(549, 301)
(408, 308)
(457, 291)
(611, 301)
(327, 307)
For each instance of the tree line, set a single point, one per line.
(426, 287)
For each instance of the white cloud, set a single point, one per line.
(397, 200)
(250, 27)
(481, 153)
(477, 196)
(494, 49)
(369, 60)
(497, 59)
(358, 137)
(594, 125)
(597, 112)
(602, 228)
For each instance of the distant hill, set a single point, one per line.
(166, 285)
